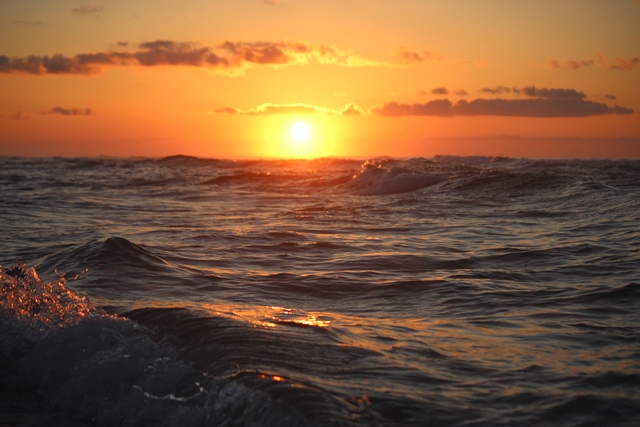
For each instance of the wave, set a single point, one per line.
(379, 177)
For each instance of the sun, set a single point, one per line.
(300, 131)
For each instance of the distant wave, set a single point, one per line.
(387, 177)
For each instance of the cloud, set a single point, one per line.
(624, 63)
(231, 57)
(440, 91)
(498, 90)
(269, 109)
(437, 107)
(18, 115)
(69, 111)
(278, 53)
(352, 110)
(611, 97)
(540, 102)
(87, 10)
(616, 63)
(227, 110)
(270, 2)
(532, 91)
(573, 65)
(405, 56)
(167, 52)
(461, 92)
(291, 53)
(536, 107)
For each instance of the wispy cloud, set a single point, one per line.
(88, 10)
(69, 111)
(231, 57)
(299, 108)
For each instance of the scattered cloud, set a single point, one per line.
(498, 90)
(573, 65)
(87, 10)
(122, 44)
(611, 97)
(231, 57)
(616, 63)
(70, 111)
(404, 56)
(440, 91)
(461, 92)
(270, 2)
(18, 115)
(624, 63)
(32, 23)
(268, 108)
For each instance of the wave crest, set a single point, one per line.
(24, 296)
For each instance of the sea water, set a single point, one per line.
(445, 291)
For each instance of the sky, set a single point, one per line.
(398, 78)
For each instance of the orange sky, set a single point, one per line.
(228, 78)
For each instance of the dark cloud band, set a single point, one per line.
(537, 107)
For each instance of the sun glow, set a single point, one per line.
(301, 137)
(300, 131)
(302, 141)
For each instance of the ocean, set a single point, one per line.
(444, 291)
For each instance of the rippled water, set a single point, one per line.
(447, 291)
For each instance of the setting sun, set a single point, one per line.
(300, 131)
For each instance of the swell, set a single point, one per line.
(116, 266)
